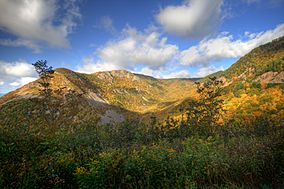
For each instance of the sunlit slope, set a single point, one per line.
(102, 97)
(74, 100)
(140, 93)
(254, 85)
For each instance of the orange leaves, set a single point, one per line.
(249, 106)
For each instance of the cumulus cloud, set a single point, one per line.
(165, 73)
(21, 43)
(194, 18)
(149, 53)
(15, 74)
(177, 74)
(225, 46)
(133, 48)
(89, 65)
(204, 71)
(38, 21)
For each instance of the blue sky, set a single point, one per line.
(169, 38)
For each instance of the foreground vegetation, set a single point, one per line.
(131, 156)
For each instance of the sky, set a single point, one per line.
(160, 38)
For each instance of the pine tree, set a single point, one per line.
(45, 73)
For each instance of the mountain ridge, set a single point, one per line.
(110, 96)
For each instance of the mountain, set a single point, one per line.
(103, 97)
(119, 95)
(140, 93)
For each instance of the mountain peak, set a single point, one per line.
(63, 70)
(115, 74)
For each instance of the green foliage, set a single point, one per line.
(200, 162)
(208, 108)
(203, 115)
(256, 85)
(124, 156)
(238, 86)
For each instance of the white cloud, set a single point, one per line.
(15, 74)
(225, 46)
(194, 18)
(177, 74)
(131, 49)
(14, 84)
(25, 80)
(37, 21)
(150, 54)
(147, 71)
(204, 71)
(90, 66)
(20, 43)
(22, 81)
(18, 69)
(165, 72)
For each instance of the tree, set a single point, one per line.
(205, 113)
(45, 73)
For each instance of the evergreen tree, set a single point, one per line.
(45, 73)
